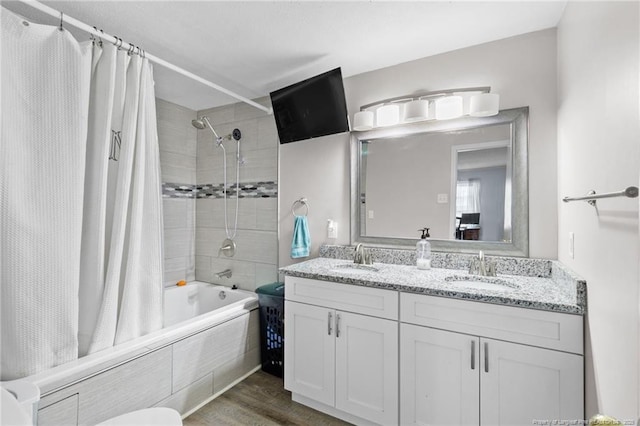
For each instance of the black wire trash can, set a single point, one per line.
(271, 300)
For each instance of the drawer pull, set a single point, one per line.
(486, 357)
(329, 324)
(337, 325)
(473, 354)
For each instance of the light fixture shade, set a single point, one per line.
(484, 105)
(388, 115)
(363, 120)
(448, 107)
(416, 110)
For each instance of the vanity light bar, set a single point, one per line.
(447, 104)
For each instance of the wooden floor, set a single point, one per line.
(258, 400)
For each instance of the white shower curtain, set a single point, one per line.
(122, 261)
(45, 96)
(80, 191)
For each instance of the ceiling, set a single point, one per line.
(253, 48)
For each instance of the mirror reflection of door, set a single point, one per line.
(481, 175)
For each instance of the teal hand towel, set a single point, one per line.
(301, 241)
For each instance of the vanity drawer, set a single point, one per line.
(551, 330)
(345, 297)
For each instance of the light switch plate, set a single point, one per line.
(370, 214)
(443, 198)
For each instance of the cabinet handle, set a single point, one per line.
(329, 324)
(473, 354)
(486, 357)
(337, 325)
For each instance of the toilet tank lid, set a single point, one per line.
(25, 392)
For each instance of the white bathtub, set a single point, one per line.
(209, 341)
(181, 304)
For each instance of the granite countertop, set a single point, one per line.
(558, 292)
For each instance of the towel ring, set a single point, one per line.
(301, 201)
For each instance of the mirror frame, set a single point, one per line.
(518, 118)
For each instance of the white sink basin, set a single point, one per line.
(482, 283)
(354, 268)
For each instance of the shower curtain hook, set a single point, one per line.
(131, 49)
(61, 20)
(100, 42)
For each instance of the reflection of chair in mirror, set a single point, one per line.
(468, 226)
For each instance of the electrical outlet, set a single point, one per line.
(332, 229)
(571, 245)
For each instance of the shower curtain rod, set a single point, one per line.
(66, 19)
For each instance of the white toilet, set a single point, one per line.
(18, 407)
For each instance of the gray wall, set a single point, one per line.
(521, 69)
(256, 258)
(177, 139)
(598, 148)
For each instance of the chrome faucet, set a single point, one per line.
(480, 266)
(226, 273)
(362, 256)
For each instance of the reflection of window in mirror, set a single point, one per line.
(481, 175)
(468, 196)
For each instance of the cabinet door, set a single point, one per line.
(367, 367)
(439, 377)
(309, 363)
(521, 383)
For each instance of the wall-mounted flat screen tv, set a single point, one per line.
(311, 108)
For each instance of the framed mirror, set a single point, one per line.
(465, 179)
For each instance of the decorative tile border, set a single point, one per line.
(263, 189)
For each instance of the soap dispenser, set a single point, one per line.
(423, 250)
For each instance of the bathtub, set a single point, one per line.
(209, 342)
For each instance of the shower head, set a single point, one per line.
(202, 122)
(198, 123)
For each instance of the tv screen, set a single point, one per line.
(311, 108)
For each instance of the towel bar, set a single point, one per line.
(303, 202)
(591, 197)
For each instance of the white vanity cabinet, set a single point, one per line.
(341, 349)
(456, 367)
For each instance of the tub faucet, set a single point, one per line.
(362, 256)
(480, 266)
(226, 273)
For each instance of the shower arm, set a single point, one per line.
(208, 123)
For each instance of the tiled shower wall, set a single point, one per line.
(191, 166)
(178, 149)
(255, 260)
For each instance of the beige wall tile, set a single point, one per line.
(267, 214)
(175, 174)
(224, 114)
(178, 243)
(175, 213)
(245, 111)
(267, 133)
